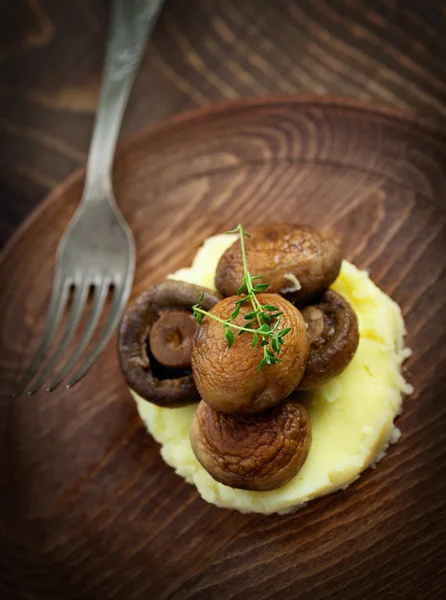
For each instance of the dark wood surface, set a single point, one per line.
(202, 51)
(91, 511)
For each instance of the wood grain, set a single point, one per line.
(201, 52)
(91, 511)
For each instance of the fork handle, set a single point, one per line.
(131, 22)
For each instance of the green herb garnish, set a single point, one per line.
(259, 320)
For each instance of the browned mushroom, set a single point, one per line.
(333, 337)
(254, 452)
(228, 379)
(155, 342)
(297, 261)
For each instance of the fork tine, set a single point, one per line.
(58, 301)
(96, 311)
(78, 305)
(119, 301)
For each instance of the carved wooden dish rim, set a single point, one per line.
(431, 127)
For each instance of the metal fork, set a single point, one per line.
(96, 253)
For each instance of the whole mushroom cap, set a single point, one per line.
(252, 452)
(333, 336)
(297, 261)
(161, 316)
(228, 379)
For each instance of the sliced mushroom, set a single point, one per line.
(155, 341)
(228, 379)
(255, 452)
(297, 261)
(333, 336)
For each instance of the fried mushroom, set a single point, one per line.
(228, 379)
(155, 342)
(297, 261)
(332, 329)
(255, 452)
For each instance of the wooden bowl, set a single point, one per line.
(91, 511)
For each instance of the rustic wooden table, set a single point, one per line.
(201, 52)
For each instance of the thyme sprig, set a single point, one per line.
(263, 321)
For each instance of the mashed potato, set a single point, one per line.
(352, 415)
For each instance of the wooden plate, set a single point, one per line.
(91, 511)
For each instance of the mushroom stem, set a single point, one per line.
(170, 338)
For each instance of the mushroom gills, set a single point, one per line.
(155, 341)
(332, 330)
